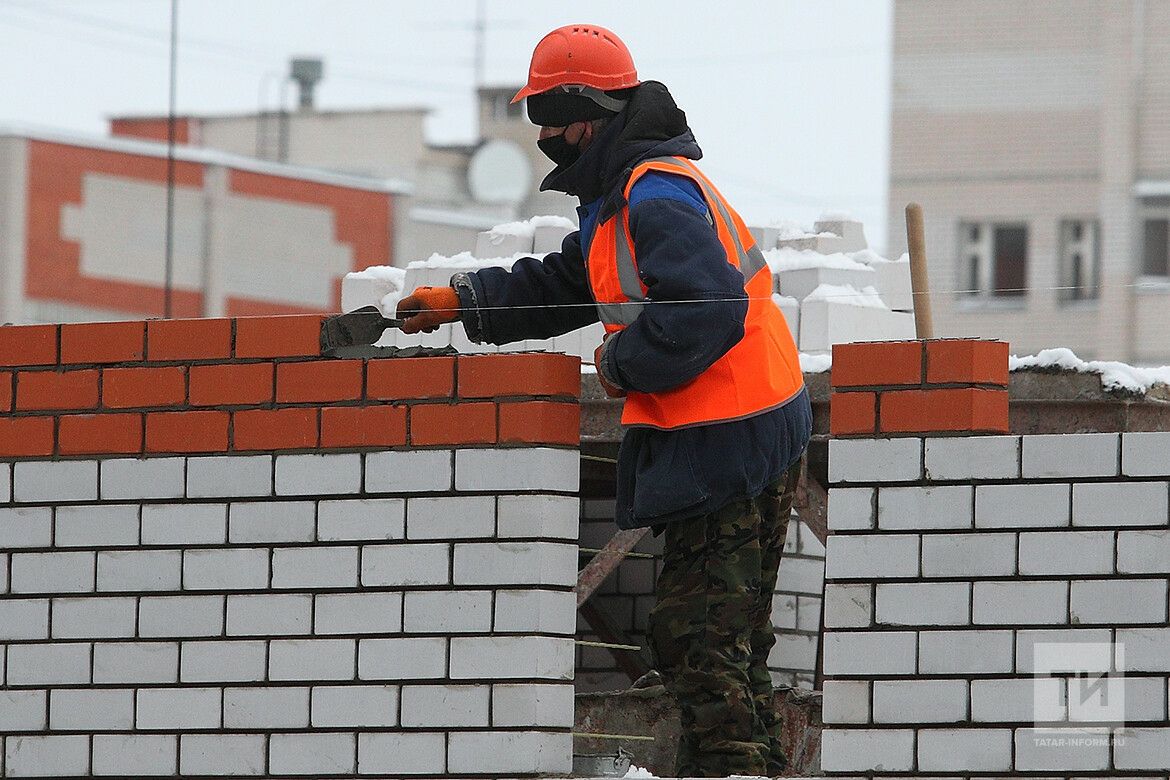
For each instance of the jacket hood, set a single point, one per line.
(651, 125)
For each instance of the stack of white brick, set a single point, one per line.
(390, 614)
(998, 606)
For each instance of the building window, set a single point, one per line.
(504, 108)
(1080, 270)
(1156, 248)
(993, 259)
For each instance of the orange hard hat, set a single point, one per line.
(579, 55)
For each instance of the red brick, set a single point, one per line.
(319, 380)
(189, 339)
(492, 376)
(930, 411)
(192, 431)
(967, 361)
(28, 345)
(452, 424)
(363, 426)
(877, 363)
(5, 391)
(408, 378)
(852, 413)
(231, 384)
(100, 434)
(26, 436)
(127, 388)
(540, 422)
(274, 429)
(102, 342)
(296, 335)
(73, 390)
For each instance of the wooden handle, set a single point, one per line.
(916, 242)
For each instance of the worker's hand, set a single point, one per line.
(613, 391)
(427, 308)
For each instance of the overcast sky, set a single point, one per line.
(788, 98)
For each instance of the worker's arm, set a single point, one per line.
(537, 299)
(680, 258)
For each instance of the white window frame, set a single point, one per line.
(1088, 246)
(1157, 208)
(982, 249)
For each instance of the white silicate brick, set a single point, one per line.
(516, 563)
(526, 752)
(55, 481)
(1143, 748)
(229, 476)
(1139, 649)
(973, 457)
(402, 658)
(918, 508)
(311, 659)
(180, 616)
(222, 754)
(1064, 455)
(447, 612)
(372, 519)
(399, 565)
(24, 619)
(979, 750)
(268, 522)
(872, 556)
(784, 609)
(58, 664)
(312, 754)
(1118, 601)
(56, 572)
(233, 569)
(875, 460)
(548, 706)
(46, 756)
(797, 575)
(1143, 454)
(22, 711)
(919, 701)
(845, 701)
(1018, 700)
(137, 478)
(454, 517)
(968, 555)
(266, 708)
(965, 652)
(1021, 506)
(419, 471)
(184, 524)
(1144, 698)
(1143, 552)
(210, 662)
(536, 657)
(851, 509)
(26, 526)
(530, 468)
(923, 603)
(135, 755)
(848, 606)
(130, 663)
(867, 750)
(135, 571)
(5, 482)
(1020, 603)
(1066, 552)
(1120, 503)
(402, 753)
(1064, 650)
(265, 614)
(445, 705)
(536, 611)
(315, 567)
(1072, 749)
(174, 709)
(869, 653)
(94, 618)
(106, 709)
(545, 517)
(358, 613)
(363, 706)
(96, 526)
(794, 651)
(309, 475)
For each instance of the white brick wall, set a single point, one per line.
(338, 615)
(959, 614)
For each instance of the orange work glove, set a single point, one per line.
(611, 390)
(427, 308)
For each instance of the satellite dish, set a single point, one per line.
(499, 172)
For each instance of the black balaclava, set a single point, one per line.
(561, 109)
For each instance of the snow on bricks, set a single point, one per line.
(224, 554)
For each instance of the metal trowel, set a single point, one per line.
(360, 327)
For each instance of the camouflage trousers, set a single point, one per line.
(711, 632)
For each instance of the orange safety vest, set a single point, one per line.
(758, 374)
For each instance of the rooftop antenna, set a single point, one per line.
(169, 251)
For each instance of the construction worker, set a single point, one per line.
(716, 413)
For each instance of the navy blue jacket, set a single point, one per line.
(662, 475)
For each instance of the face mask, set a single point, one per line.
(557, 149)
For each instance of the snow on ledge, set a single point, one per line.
(1114, 374)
